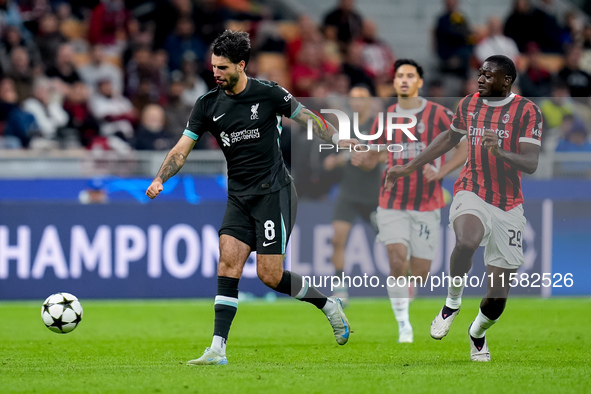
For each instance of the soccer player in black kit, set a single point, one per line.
(244, 115)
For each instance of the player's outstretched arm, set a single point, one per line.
(526, 160)
(174, 161)
(324, 130)
(438, 147)
(457, 160)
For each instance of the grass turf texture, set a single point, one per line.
(288, 346)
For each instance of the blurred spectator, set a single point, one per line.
(586, 36)
(556, 106)
(339, 85)
(148, 92)
(10, 16)
(353, 67)
(268, 38)
(145, 77)
(378, 57)
(114, 112)
(21, 72)
(140, 35)
(49, 38)
(527, 23)
(575, 138)
(69, 25)
(310, 68)
(496, 43)
(308, 32)
(108, 23)
(183, 41)
(454, 40)
(194, 85)
(81, 119)
(577, 80)
(550, 32)
(151, 134)
(11, 38)
(94, 193)
(519, 25)
(176, 111)
(536, 80)
(17, 127)
(210, 19)
(586, 42)
(343, 24)
(64, 69)
(571, 30)
(167, 15)
(49, 114)
(99, 69)
(31, 11)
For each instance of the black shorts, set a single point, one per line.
(347, 211)
(263, 222)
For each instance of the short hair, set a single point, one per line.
(233, 45)
(505, 63)
(410, 62)
(361, 86)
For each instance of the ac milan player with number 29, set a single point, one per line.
(504, 131)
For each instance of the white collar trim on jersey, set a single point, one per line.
(413, 111)
(504, 101)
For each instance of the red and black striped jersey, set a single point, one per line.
(414, 192)
(516, 120)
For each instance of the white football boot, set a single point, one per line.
(442, 322)
(210, 357)
(338, 321)
(405, 334)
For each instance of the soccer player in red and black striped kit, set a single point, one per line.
(504, 133)
(408, 216)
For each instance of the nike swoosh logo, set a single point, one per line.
(210, 359)
(265, 244)
(215, 118)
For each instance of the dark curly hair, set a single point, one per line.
(234, 45)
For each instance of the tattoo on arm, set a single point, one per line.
(318, 125)
(172, 164)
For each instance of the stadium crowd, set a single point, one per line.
(121, 75)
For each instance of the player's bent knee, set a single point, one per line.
(398, 267)
(467, 245)
(270, 279)
(228, 268)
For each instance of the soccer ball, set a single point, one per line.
(61, 312)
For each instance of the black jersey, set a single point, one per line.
(247, 127)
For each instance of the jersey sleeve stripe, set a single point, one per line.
(530, 141)
(297, 111)
(451, 126)
(190, 134)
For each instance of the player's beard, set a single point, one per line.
(231, 81)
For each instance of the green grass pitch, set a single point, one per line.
(538, 346)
